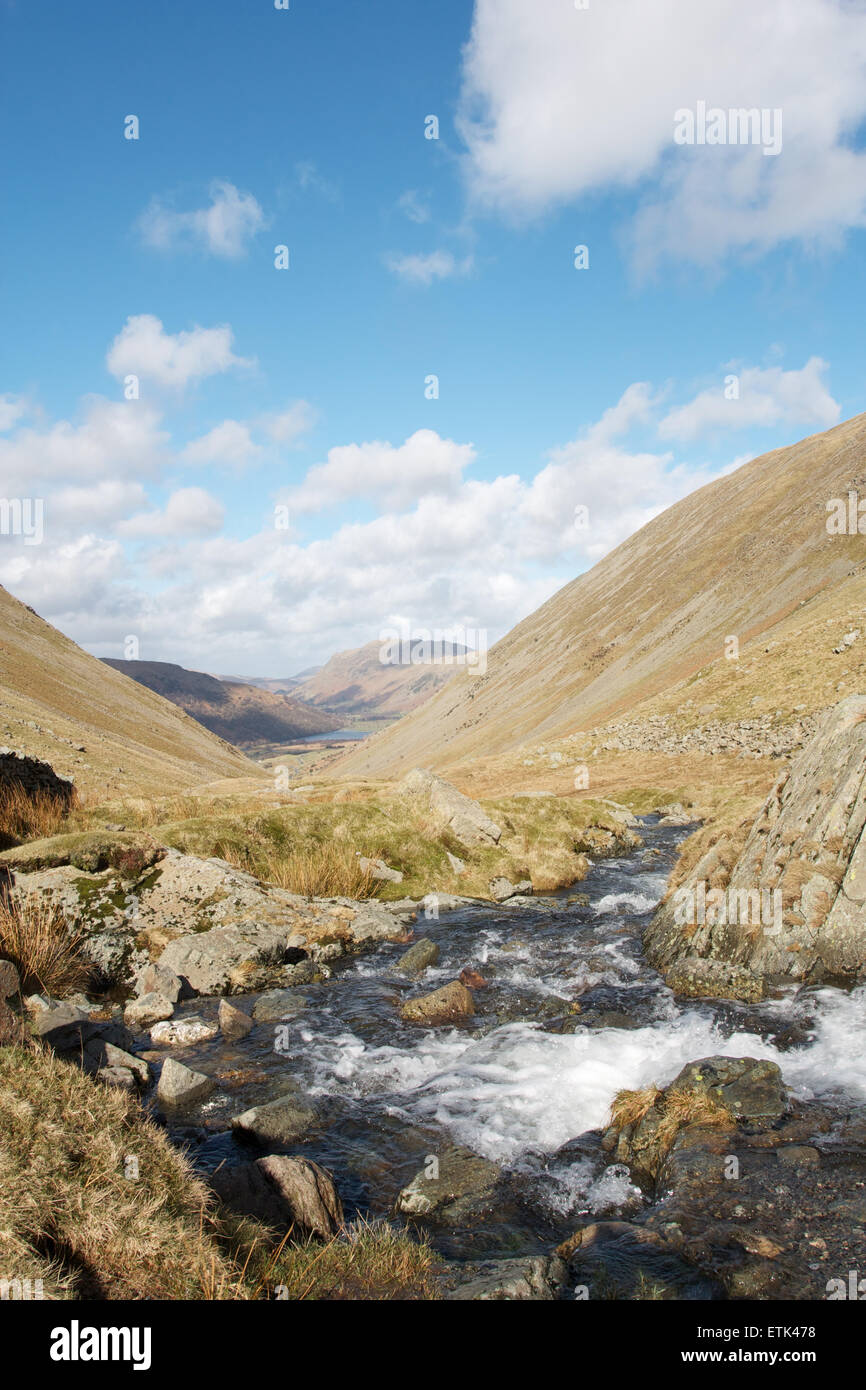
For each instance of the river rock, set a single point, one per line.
(180, 1085)
(99, 1056)
(452, 810)
(452, 1003)
(283, 1192)
(807, 845)
(234, 1023)
(147, 1010)
(280, 1121)
(453, 1183)
(616, 1259)
(698, 977)
(501, 889)
(66, 1027)
(158, 979)
(183, 1032)
(120, 1077)
(278, 1003)
(419, 957)
(536, 1278)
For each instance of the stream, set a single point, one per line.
(571, 1013)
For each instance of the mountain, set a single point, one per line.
(241, 714)
(359, 683)
(749, 556)
(63, 706)
(277, 685)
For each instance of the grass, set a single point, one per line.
(367, 1262)
(31, 815)
(320, 870)
(96, 1202)
(48, 953)
(672, 1110)
(313, 847)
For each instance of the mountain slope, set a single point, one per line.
(358, 682)
(59, 704)
(734, 558)
(241, 714)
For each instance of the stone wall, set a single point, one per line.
(33, 775)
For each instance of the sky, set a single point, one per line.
(297, 341)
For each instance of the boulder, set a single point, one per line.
(378, 869)
(419, 957)
(179, 1085)
(501, 889)
(453, 1003)
(147, 1010)
(793, 906)
(283, 1191)
(450, 808)
(280, 1121)
(234, 1023)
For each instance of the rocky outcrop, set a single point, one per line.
(453, 811)
(794, 904)
(214, 928)
(763, 737)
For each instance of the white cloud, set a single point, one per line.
(767, 396)
(414, 205)
(223, 228)
(558, 103)
(229, 443)
(115, 439)
(188, 512)
(425, 464)
(287, 426)
(143, 348)
(11, 410)
(424, 269)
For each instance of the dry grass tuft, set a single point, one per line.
(367, 1262)
(47, 951)
(32, 815)
(316, 870)
(629, 1107)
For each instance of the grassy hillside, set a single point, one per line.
(244, 715)
(111, 735)
(747, 556)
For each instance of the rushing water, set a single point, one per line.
(532, 1073)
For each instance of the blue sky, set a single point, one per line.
(305, 388)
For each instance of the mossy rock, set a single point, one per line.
(131, 852)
